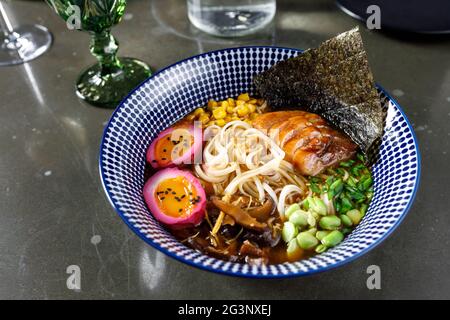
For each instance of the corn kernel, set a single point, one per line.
(219, 113)
(204, 119)
(212, 104)
(243, 97)
(198, 111)
(253, 116)
(191, 117)
(251, 107)
(240, 102)
(248, 121)
(230, 109)
(242, 110)
(231, 102)
(227, 119)
(235, 118)
(224, 104)
(252, 101)
(220, 122)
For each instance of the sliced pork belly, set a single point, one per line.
(265, 121)
(311, 145)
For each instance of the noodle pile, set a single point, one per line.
(240, 158)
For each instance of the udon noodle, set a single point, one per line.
(240, 157)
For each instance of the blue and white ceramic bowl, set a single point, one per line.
(178, 89)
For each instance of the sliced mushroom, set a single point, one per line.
(263, 213)
(228, 253)
(239, 215)
(249, 249)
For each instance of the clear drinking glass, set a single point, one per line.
(107, 82)
(23, 43)
(230, 18)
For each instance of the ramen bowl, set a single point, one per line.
(178, 89)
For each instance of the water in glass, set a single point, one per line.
(229, 18)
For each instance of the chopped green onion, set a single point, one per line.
(365, 183)
(306, 203)
(329, 181)
(346, 205)
(363, 209)
(351, 181)
(354, 193)
(361, 157)
(315, 188)
(338, 205)
(346, 231)
(347, 164)
(356, 169)
(315, 179)
(337, 187)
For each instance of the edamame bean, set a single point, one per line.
(330, 223)
(346, 220)
(292, 208)
(354, 215)
(306, 240)
(322, 234)
(317, 205)
(293, 249)
(311, 220)
(314, 214)
(299, 218)
(332, 239)
(321, 248)
(289, 231)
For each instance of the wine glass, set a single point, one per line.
(23, 43)
(107, 82)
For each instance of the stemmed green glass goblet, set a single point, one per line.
(107, 82)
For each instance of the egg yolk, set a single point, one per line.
(167, 149)
(176, 197)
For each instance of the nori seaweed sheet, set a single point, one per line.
(334, 81)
